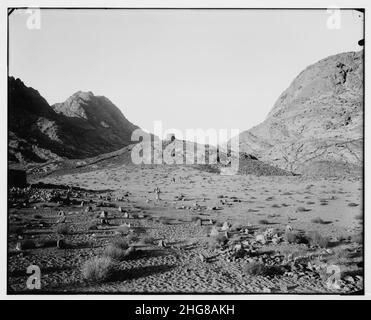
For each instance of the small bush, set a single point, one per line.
(316, 239)
(302, 209)
(164, 220)
(236, 227)
(48, 243)
(26, 244)
(98, 269)
(295, 237)
(63, 229)
(263, 221)
(146, 240)
(93, 225)
(352, 204)
(114, 252)
(132, 238)
(121, 243)
(216, 241)
(123, 230)
(358, 238)
(15, 230)
(318, 220)
(260, 269)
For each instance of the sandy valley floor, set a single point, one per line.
(207, 233)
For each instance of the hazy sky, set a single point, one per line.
(188, 68)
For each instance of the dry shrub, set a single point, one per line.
(146, 240)
(260, 269)
(98, 269)
(132, 238)
(316, 239)
(123, 230)
(121, 243)
(236, 227)
(319, 220)
(352, 204)
(358, 238)
(263, 221)
(93, 225)
(216, 241)
(15, 230)
(63, 229)
(295, 237)
(26, 244)
(114, 252)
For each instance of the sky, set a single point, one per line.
(190, 69)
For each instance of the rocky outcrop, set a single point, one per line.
(83, 126)
(317, 123)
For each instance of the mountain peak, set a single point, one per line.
(84, 125)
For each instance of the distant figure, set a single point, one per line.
(157, 192)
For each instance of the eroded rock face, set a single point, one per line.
(83, 126)
(317, 123)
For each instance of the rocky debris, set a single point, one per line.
(226, 226)
(103, 217)
(161, 243)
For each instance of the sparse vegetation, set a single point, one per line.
(26, 244)
(319, 221)
(146, 240)
(93, 225)
(316, 239)
(261, 269)
(358, 238)
(352, 204)
(113, 252)
(63, 229)
(295, 237)
(98, 269)
(216, 241)
(263, 221)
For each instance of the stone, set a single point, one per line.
(260, 238)
(288, 228)
(214, 232)
(61, 244)
(226, 226)
(161, 243)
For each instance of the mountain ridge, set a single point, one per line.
(39, 132)
(319, 117)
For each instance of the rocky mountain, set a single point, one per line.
(316, 125)
(83, 126)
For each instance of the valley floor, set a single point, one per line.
(206, 234)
